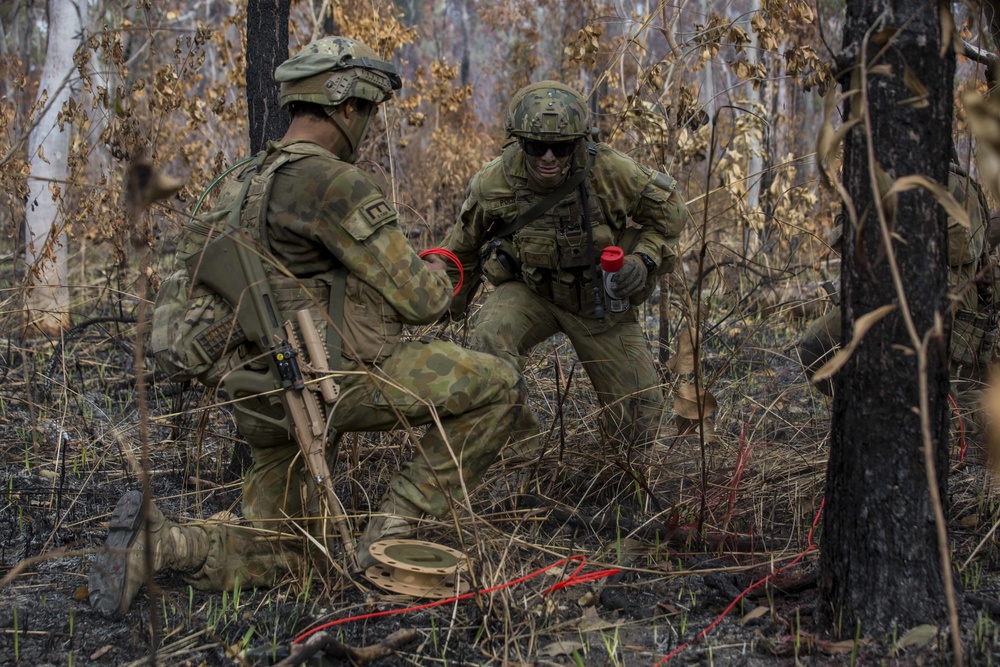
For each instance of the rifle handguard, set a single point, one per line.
(317, 355)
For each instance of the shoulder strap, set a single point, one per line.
(550, 199)
(255, 216)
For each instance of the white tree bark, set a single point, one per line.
(47, 298)
(756, 167)
(755, 98)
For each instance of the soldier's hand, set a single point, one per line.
(435, 263)
(630, 278)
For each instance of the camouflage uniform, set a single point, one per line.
(323, 216)
(973, 327)
(542, 272)
(323, 212)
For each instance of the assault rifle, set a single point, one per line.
(230, 266)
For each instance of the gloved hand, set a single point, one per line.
(630, 278)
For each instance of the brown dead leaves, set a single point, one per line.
(693, 404)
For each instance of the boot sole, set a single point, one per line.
(109, 570)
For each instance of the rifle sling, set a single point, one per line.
(334, 339)
(550, 199)
(338, 275)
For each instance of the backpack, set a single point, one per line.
(195, 334)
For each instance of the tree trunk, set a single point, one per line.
(47, 298)
(267, 47)
(755, 96)
(880, 562)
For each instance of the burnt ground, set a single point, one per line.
(71, 444)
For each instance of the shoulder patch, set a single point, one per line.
(372, 213)
(377, 212)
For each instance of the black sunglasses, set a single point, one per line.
(540, 148)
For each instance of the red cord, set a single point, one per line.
(449, 255)
(572, 580)
(809, 547)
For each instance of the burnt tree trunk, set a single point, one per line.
(879, 552)
(267, 47)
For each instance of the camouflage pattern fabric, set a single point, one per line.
(526, 308)
(973, 327)
(617, 358)
(621, 190)
(323, 211)
(479, 400)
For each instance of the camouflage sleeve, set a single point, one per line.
(650, 198)
(465, 240)
(662, 213)
(383, 257)
(343, 212)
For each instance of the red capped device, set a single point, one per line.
(612, 259)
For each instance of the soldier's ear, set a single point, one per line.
(354, 107)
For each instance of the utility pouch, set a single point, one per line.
(585, 284)
(572, 248)
(499, 261)
(566, 291)
(967, 337)
(538, 281)
(538, 248)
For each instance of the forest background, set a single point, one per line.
(728, 98)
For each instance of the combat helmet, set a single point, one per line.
(331, 71)
(547, 111)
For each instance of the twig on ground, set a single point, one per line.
(324, 641)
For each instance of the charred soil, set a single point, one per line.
(706, 546)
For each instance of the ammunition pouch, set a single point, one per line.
(538, 248)
(973, 338)
(572, 248)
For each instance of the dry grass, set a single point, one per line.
(690, 523)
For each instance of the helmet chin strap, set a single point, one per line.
(355, 135)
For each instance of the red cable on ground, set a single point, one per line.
(572, 580)
(961, 429)
(809, 547)
(453, 258)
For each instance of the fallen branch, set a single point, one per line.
(992, 607)
(324, 641)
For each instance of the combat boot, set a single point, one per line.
(119, 570)
(396, 520)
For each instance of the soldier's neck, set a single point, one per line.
(324, 133)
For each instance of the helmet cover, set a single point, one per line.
(547, 111)
(332, 70)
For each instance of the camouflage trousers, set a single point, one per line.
(471, 403)
(615, 355)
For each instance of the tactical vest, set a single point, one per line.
(195, 333)
(551, 254)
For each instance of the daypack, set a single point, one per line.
(195, 334)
